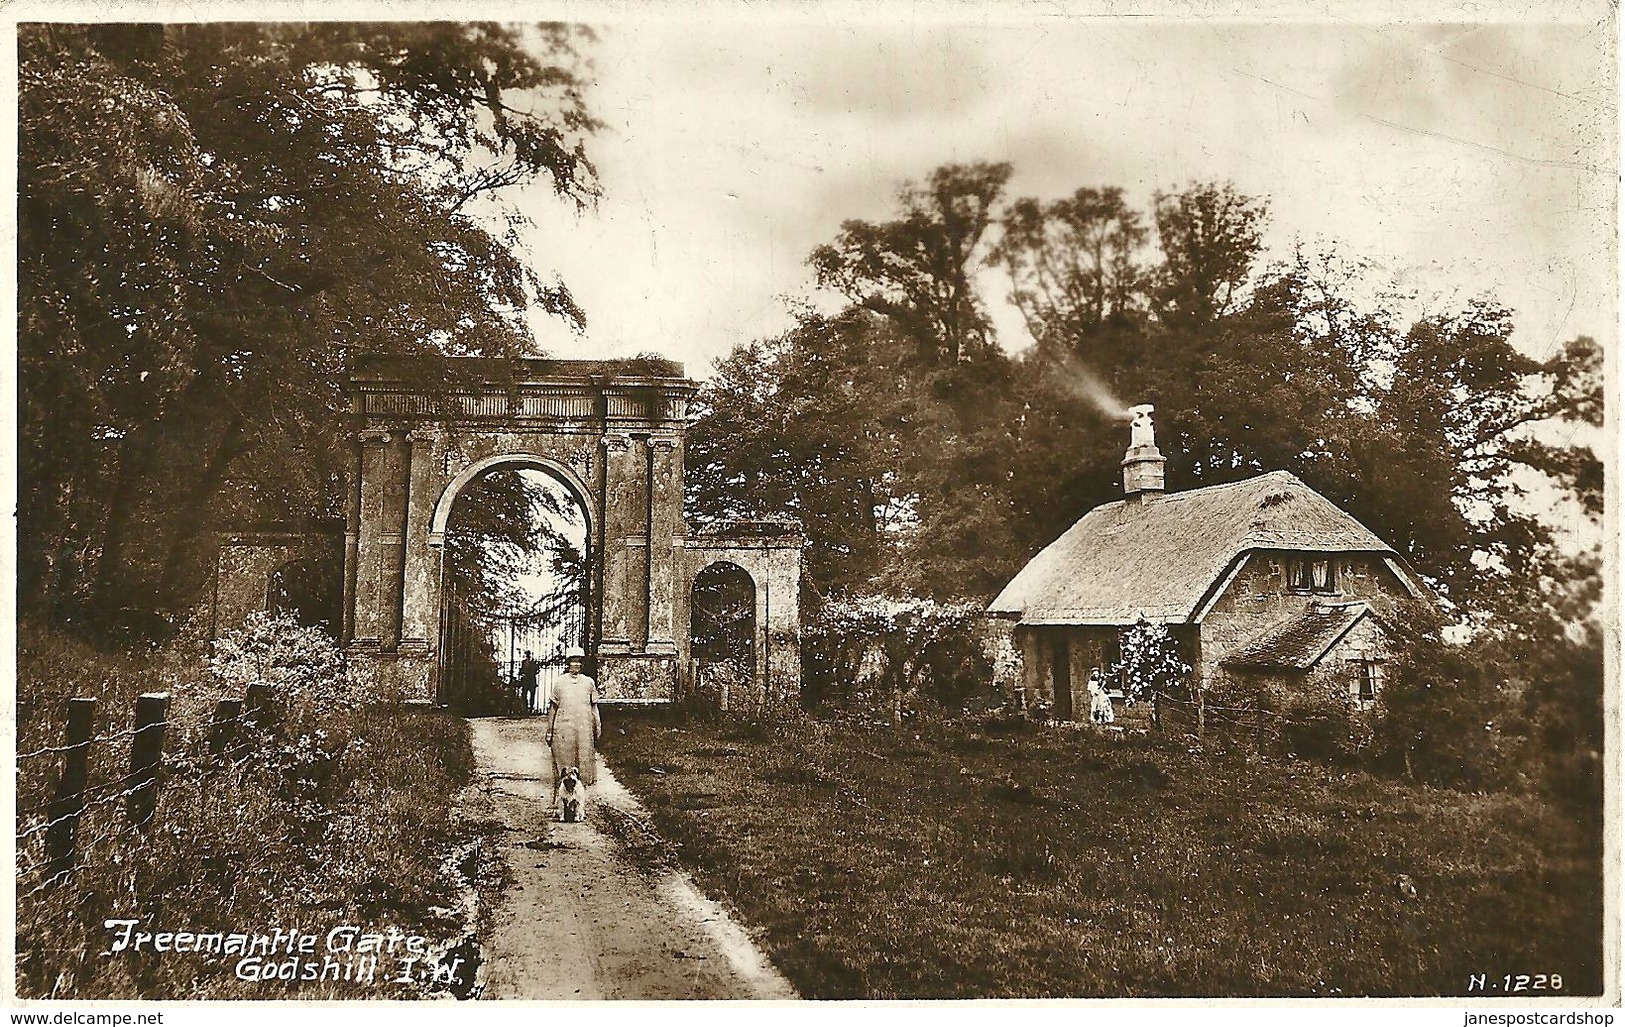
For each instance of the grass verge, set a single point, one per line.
(940, 862)
(376, 843)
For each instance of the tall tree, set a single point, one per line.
(1210, 236)
(212, 219)
(816, 424)
(1075, 264)
(918, 269)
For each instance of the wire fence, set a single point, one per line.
(1336, 724)
(108, 781)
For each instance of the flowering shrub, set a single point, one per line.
(302, 667)
(868, 654)
(1150, 662)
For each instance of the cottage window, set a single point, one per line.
(1370, 680)
(1324, 575)
(1312, 576)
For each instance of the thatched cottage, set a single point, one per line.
(1262, 578)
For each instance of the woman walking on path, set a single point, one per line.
(572, 720)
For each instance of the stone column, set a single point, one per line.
(421, 597)
(352, 539)
(394, 540)
(372, 539)
(626, 544)
(665, 531)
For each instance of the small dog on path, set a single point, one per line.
(572, 796)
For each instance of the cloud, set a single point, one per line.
(1450, 154)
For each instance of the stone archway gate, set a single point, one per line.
(612, 432)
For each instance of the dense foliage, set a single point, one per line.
(212, 219)
(887, 658)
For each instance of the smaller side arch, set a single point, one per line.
(448, 496)
(723, 614)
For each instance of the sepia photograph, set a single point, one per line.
(780, 502)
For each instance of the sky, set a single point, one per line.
(1461, 159)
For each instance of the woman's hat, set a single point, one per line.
(575, 652)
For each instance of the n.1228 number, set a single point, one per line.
(1513, 983)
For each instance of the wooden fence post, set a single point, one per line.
(146, 752)
(69, 803)
(225, 733)
(257, 704)
(1201, 711)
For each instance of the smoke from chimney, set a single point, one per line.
(1086, 385)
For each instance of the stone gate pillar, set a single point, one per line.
(394, 539)
(420, 619)
(377, 534)
(665, 535)
(352, 541)
(626, 543)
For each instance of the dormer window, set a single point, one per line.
(1318, 576)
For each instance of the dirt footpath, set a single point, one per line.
(580, 920)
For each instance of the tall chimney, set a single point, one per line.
(1142, 464)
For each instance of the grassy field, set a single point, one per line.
(376, 843)
(936, 861)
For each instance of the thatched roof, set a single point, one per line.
(1159, 559)
(1301, 642)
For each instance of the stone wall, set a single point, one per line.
(1258, 599)
(245, 562)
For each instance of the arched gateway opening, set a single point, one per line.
(517, 584)
(440, 444)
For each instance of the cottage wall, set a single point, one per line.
(1258, 599)
(1089, 647)
(1339, 671)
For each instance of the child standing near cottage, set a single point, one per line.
(1100, 704)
